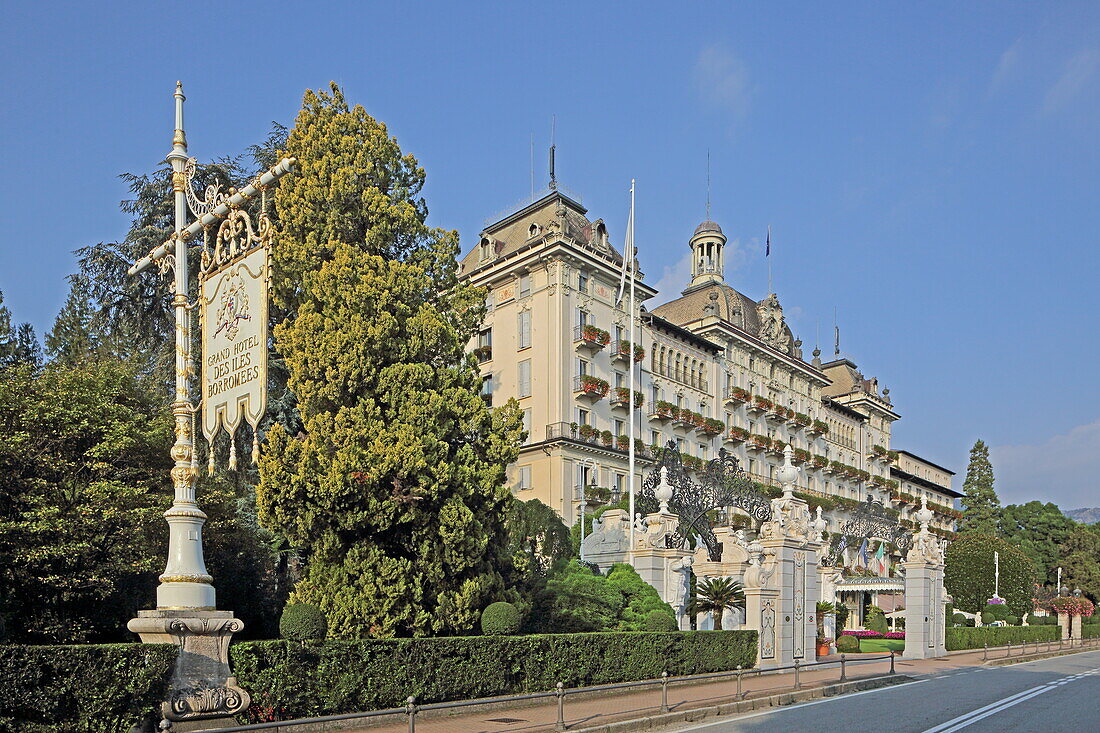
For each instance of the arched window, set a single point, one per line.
(533, 231)
(484, 248)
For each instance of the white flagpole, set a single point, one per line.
(628, 261)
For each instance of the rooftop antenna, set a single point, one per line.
(708, 184)
(553, 132)
(836, 331)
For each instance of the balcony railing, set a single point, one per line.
(591, 336)
(600, 438)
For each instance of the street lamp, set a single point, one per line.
(590, 464)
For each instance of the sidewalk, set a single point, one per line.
(587, 710)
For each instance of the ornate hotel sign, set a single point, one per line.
(234, 279)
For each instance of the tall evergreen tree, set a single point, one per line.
(393, 489)
(72, 339)
(18, 344)
(981, 506)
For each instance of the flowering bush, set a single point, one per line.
(738, 394)
(712, 426)
(739, 434)
(819, 426)
(593, 386)
(865, 634)
(1073, 605)
(595, 334)
(762, 403)
(894, 635)
(666, 409)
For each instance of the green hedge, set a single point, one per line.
(1089, 631)
(85, 687)
(976, 638)
(300, 680)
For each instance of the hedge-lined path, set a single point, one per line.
(599, 708)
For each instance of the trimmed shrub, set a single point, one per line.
(369, 674)
(1012, 620)
(847, 644)
(660, 621)
(988, 617)
(998, 611)
(303, 622)
(958, 619)
(998, 636)
(876, 620)
(500, 618)
(968, 575)
(84, 687)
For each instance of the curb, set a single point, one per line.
(1008, 661)
(694, 715)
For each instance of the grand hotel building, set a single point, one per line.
(718, 369)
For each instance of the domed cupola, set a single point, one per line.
(707, 258)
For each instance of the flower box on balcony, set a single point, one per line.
(587, 433)
(837, 468)
(777, 413)
(483, 354)
(693, 463)
(607, 438)
(818, 427)
(712, 426)
(597, 494)
(591, 336)
(760, 404)
(800, 456)
(621, 351)
(800, 420)
(759, 443)
(861, 475)
(891, 456)
(737, 435)
(620, 397)
(690, 419)
(777, 447)
(736, 396)
(591, 387)
(820, 462)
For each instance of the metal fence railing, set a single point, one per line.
(411, 709)
(1037, 647)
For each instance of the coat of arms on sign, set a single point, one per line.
(233, 309)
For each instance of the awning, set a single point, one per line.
(858, 585)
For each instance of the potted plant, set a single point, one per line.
(823, 642)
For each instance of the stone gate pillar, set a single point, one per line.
(789, 545)
(668, 569)
(924, 607)
(733, 564)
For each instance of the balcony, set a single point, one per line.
(620, 398)
(777, 414)
(590, 337)
(590, 387)
(735, 396)
(759, 405)
(712, 427)
(817, 427)
(622, 351)
(599, 438)
(799, 421)
(483, 354)
(759, 443)
(663, 411)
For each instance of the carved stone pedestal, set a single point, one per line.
(202, 686)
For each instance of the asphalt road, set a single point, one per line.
(1062, 693)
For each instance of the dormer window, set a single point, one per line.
(484, 247)
(533, 231)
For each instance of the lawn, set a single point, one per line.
(881, 645)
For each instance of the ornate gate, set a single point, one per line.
(870, 521)
(724, 484)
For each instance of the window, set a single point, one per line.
(532, 231)
(655, 438)
(485, 337)
(680, 444)
(523, 330)
(525, 378)
(582, 317)
(487, 389)
(489, 303)
(752, 363)
(524, 478)
(582, 367)
(484, 250)
(527, 423)
(619, 377)
(654, 394)
(618, 333)
(582, 282)
(582, 417)
(620, 480)
(620, 428)
(524, 285)
(703, 451)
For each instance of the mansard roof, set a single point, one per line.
(729, 305)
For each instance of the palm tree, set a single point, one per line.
(823, 608)
(716, 595)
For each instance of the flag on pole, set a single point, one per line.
(768, 243)
(863, 555)
(628, 253)
(880, 556)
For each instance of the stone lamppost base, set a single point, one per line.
(202, 686)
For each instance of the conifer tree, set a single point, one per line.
(72, 339)
(981, 506)
(393, 489)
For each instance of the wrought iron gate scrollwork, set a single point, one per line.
(723, 484)
(870, 521)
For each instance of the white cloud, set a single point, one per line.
(722, 80)
(1076, 75)
(1006, 66)
(1063, 469)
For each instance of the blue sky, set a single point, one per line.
(929, 170)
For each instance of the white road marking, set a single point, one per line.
(993, 708)
(772, 711)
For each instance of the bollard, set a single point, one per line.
(740, 695)
(891, 661)
(410, 709)
(560, 692)
(797, 685)
(664, 692)
(985, 652)
(843, 673)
